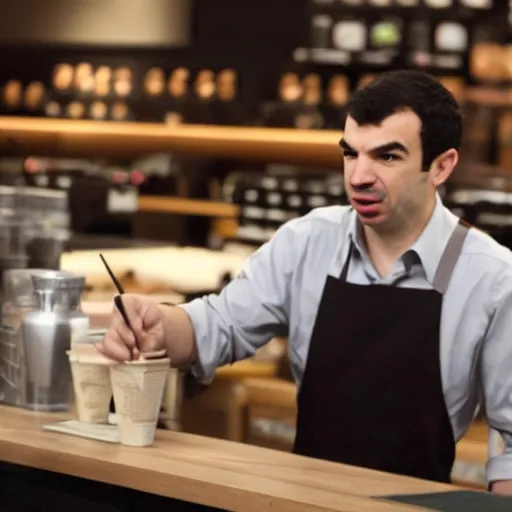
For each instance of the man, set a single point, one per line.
(398, 316)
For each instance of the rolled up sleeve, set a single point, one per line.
(250, 310)
(497, 377)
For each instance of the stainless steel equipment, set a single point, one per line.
(41, 317)
(34, 227)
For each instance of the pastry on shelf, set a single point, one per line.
(228, 108)
(34, 96)
(84, 78)
(123, 81)
(177, 88)
(53, 109)
(75, 110)
(200, 109)
(98, 110)
(337, 95)
(102, 81)
(227, 85)
(205, 84)
(119, 111)
(487, 62)
(12, 94)
(310, 117)
(63, 76)
(283, 112)
(154, 82)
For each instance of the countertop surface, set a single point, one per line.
(204, 470)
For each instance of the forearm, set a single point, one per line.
(219, 329)
(179, 337)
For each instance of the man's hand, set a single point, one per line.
(147, 333)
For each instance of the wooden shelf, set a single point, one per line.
(184, 206)
(224, 215)
(68, 138)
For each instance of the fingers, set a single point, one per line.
(149, 343)
(135, 353)
(114, 351)
(119, 341)
(134, 306)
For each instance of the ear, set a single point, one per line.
(443, 166)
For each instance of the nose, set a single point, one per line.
(360, 173)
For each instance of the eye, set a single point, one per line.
(389, 157)
(349, 154)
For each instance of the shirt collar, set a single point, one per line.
(430, 245)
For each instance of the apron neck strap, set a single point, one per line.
(344, 272)
(446, 264)
(449, 258)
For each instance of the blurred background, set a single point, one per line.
(176, 136)
(171, 63)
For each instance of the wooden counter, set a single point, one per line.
(69, 138)
(185, 206)
(204, 470)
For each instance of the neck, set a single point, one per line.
(387, 243)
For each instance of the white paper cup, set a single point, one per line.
(91, 386)
(138, 388)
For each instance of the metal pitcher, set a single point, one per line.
(46, 335)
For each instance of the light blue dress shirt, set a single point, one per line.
(279, 289)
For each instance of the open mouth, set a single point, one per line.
(367, 206)
(365, 202)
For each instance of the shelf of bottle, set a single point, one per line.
(70, 138)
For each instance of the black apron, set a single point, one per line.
(371, 395)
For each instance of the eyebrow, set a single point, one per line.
(383, 148)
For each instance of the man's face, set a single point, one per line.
(382, 166)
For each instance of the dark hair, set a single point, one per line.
(395, 91)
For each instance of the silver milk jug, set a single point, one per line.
(46, 336)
